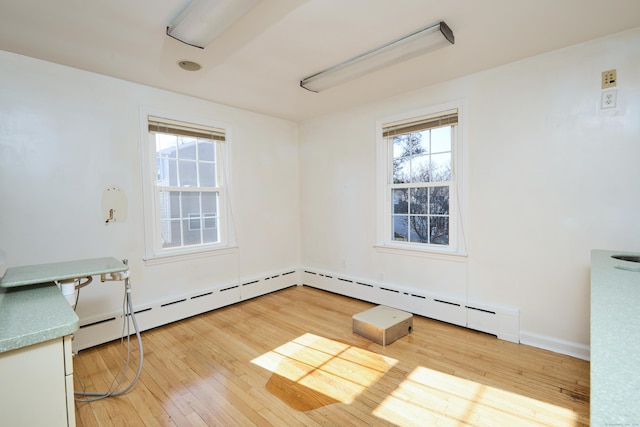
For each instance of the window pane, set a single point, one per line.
(210, 232)
(421, 143)
(400, 228)
(439, 230)
(401, 171)
(400, 201)
(206, 151)
(418, 200)
(410, 144)
(207, 174)
(166, 146)
(419, 229)
(187, 148)
(191, 237)
(420, 169)
(441, 139)
(169, 204)
(188, 174)
(441, 167)
(210, 203)
(166, 172)
(439, 201)
(171, 236)
(210, 222)
(194, 222)
(400, 147)
(190, 204)
(174, 204)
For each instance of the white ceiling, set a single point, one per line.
(257, 64)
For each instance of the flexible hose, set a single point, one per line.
(87, 280)
(128, 306)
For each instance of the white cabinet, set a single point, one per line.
(37, 385)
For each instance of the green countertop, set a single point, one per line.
(44, 273)
(615, 340)
(32, 308)
(34, 314)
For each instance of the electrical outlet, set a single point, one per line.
(609, 98)
(608, 79)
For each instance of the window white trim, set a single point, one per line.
(151, 261)
(457, 209)
(154, 254)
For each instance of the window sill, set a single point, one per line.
(188, 255)
(444, 255)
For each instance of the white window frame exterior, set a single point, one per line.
(154, 252)
(457, 188)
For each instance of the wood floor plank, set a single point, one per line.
(291, 358)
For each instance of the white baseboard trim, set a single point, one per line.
(503, 322)
(107, 327)
(573, 349)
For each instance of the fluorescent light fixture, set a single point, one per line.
(204, 20)
(414, 44)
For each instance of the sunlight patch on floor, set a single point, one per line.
(312, 371)
(441, 399)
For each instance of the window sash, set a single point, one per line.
(425, 211)
(169, 237)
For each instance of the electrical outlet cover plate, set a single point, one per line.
(609, 99)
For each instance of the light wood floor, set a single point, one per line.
(290, 358)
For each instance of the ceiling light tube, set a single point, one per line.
(204, 20)
(409, 46)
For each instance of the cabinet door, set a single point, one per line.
(33, 391)
(68, 370)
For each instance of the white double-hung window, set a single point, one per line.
(420, 182)
(185, 194)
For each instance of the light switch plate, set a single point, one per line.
(609, 79)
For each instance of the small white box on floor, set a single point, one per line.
(382, 325)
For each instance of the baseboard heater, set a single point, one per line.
(108, 327)
(503, 322)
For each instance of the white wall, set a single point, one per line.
(550, 176)
(66, 135)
